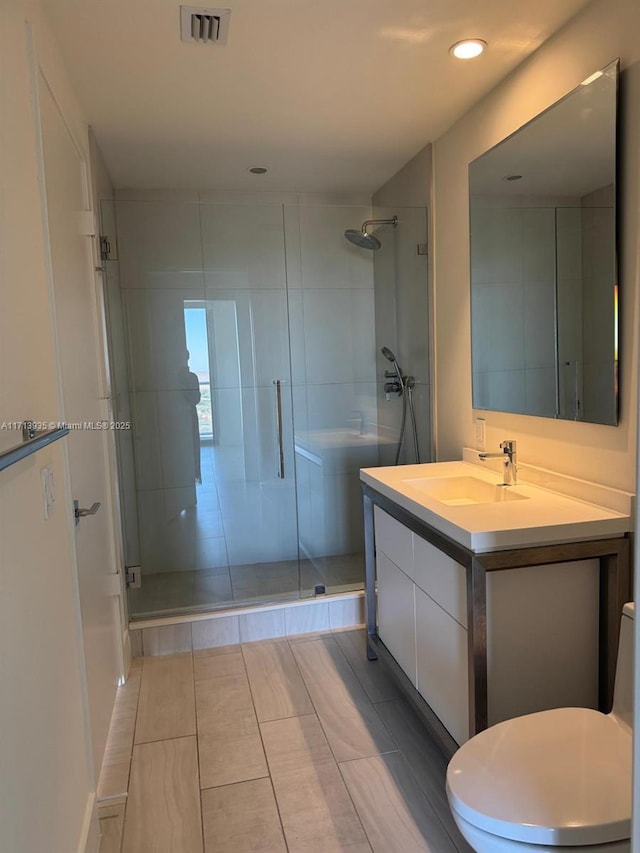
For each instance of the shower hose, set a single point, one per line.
(407, 396)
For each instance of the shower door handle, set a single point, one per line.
(278, 387)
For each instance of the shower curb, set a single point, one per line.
(196, 631)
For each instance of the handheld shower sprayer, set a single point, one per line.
(395, 374)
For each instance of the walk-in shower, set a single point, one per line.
(248, 372)
(397, 383)
(240, 476)
(365, 240)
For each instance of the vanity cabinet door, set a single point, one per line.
(396, 614)
(441, 578)
(442, 676)
(394, 539)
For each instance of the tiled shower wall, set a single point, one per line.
(402, 304)
(332, 327)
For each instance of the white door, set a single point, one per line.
(73, 284)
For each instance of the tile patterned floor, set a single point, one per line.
(295, 744)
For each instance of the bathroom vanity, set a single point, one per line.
(493, 602)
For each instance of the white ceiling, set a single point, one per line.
(331, 96)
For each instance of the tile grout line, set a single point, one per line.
(355, 807)
(434, 806)
(195, 715)
(238, 782)
(133, 745)
(164, 739)
(373, 704)
(359, 680)
(266, 757)
(399, 750)
(335, 761)
(367, 757)
(384, 726)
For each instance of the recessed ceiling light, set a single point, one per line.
(595, 76)
(468, 48)
(512, 178)
(258, 170)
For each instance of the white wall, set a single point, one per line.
(605, 30)
(46, 784)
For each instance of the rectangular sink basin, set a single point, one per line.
(464, 491)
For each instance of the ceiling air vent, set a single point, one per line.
(204, 26)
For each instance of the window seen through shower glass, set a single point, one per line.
(195, 326)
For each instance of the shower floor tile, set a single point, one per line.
(339, 573)
(165, 592)
(162, 591)
(212, 586)
(265, 580)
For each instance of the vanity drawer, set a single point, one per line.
(395, 540)
(441, 578)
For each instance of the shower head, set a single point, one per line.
(365, 240)
(362, 239)
(386, 352)
(389, 355)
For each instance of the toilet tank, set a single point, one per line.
(623, 690)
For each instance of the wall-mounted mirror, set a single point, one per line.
(544, 290)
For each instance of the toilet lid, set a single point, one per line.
(560, 777)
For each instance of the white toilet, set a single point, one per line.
(555, 779)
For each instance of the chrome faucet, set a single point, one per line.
(509, 464)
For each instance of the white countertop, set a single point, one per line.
(545, 518)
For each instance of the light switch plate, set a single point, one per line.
(480, 434)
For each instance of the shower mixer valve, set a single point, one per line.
(399, 383)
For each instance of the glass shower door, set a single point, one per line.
(332, 323)
(203, 295)
(252, 451)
